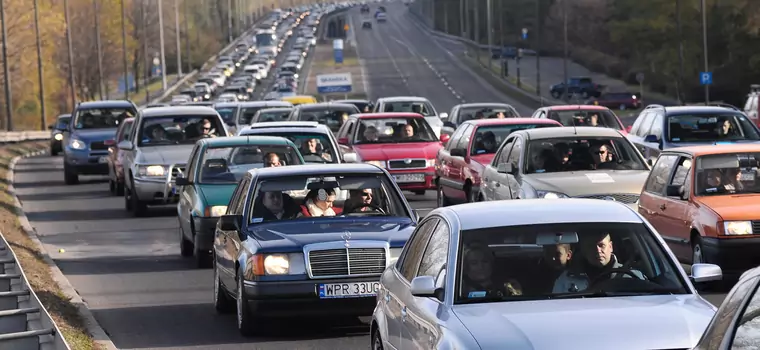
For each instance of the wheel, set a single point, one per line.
(222, 301)
(70, 177)
(697, 256)
(111, 186)
(185, 246)
(127, 199)
(202, 257)
(441, 200)
(119, 188)
(139, 208)
(377, 340)
(245, 321)
(419, 193)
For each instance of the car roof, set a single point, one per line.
(227, 104)
(265, 104)
(576, 107)
(388, 115)
(65, 115)
(104, 104)
(511, 121)
(322, 105)
(705, 150)
(178, 110)
(403, 99)
(484, 105)
(569, 131)
(480, 215)
(699, 109)
(351, 101)
(316, 170)
(245, 140)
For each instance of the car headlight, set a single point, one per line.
(276, 264)
(378, 163)
(395, 253)
(550, 195)
(58, 137)
(151, 170)
(77, 144)
(430, 163)
(737, 228)
(207, 96)
(215, 211)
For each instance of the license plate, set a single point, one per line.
(747, 177)
(404, 178)
(103, 160)
(348, 290)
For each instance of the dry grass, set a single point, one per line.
(60, 308)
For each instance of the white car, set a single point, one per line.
(412, 104)
(525, 274)
(227, 98)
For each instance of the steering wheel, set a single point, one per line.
(628, 272)
(368, 205)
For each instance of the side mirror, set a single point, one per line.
(230, 222)
(350, 158)
(673, 191)
(650, 162)
(443, 116)
(449, 124)
(423, 286)
(125, 145)
(457, 152)
(445, 138)
(701, 273)
(628, 128)
(181, 181)
(504, 168)
(343, 141)
(651, 138)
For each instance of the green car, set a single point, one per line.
(214, 169)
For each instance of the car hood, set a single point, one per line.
(669, 145)
(638, 322)
(733, 207)
(386, 151)
(92, 135)
(591, 182)
(217, 194)
(300, 232)
(165, 155)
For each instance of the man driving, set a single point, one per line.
(271, 159)
(312, 147)
(407, 132)
(208, 129)
(598, 263)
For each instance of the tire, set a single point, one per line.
(377, 341)
(119, 188)
(202, 258)
(223, 304)
(697, 252)
(127, 200)
(185, 246)
(441, 200)
(70, 177)
(246, 323)
(472, 197)
(139, 208)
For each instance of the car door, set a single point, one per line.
(420, 326)
(187, 194)
(223, 257)
(457, 164)
(674, 210)
(232, 242)
(513, 178)
(399, 279)
(493, 180)
(445, 163)
(652, 197)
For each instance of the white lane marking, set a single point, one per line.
(361, 62)
(393, 61)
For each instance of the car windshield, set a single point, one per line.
(227, 113)
(727, 174)
(581, 117)
(466, 114)
(101, 118)
(225, 165)
(332, 116)
(563, 261)
(578, 154)
(62, 122)
(309, 196)
(174, 130)
(394, 130)
(271, 115)
(489, 138)
(424, 108)
(247, 113)
(314, 147)
(264, 39)
(710, 128)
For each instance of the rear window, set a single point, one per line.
(592, 117)
(333, 116)
(99, 118)
(710, 128)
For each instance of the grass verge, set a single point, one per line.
(498, 83)
(37, 271)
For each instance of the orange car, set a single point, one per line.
(705, 203)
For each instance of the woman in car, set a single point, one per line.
(479, 280)
(319, 203)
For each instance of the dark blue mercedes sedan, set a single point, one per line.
(308, 240)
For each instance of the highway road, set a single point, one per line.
(129, 270)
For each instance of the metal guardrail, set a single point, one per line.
(24, 322)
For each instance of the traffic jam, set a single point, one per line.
(547, 226)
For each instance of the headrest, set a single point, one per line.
(216, 164)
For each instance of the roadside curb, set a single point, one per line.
(97, 332)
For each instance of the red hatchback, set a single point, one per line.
(471, 148)
(402, 143)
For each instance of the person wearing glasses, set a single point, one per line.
(602, 155)
(208, 130)
(359, 201)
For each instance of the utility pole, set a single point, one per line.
(538, 51)
(43, 112)
(71, 54)
(680, 52)
(163, 50)
(96, 11)
(7, 71)
(178, 38)
(476, 29)
(489, 24)
(461, 18)
(229, 21)
(146, 80)
(188, 59)
(564, 62)
(704, 47)
(127, 85)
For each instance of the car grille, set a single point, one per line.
(347, 262)
(618, 197)
(177, 169)
(402, 164)
(756, 226)
(98, 146)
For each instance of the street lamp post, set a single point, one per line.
(124, 50)
(96, 10)
(72, 86)
(7, 71)
(704, 47)
(564, 61)
(177, 38)
(164, 85)
(43, 112)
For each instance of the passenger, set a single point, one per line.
(319, 203)
(158, 134)
(562, 150)
(407, 132)
(546, 162)
(725, 129)
(366, 109)
(371, 134)
(597, 265)
(555, 262)
(271, 159)
(276, 208)
(486, 144)
(479, 115)
(478, 278)
(593, 120)
(733, 180)
(500, 115)
(417, 109)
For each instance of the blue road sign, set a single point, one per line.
(705, 78)
(342, 89)
(338, 56)
(525, 33)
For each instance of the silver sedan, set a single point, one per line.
(538, 273)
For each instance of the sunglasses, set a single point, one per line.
(601, 152)
(366, 194)
(206, 129)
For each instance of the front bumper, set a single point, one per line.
(734, 256)
(87, 163)
(427, 184)
(155, 191)
(301, 298)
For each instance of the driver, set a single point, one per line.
(311, 148)
(598, 262)
(359, 200)
(208, 129)
(407, 132)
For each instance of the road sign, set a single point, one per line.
(705, 78)
(345, 27)
(640, 77)
(338, 55)
(338, 44)
(334, 83)
(525, 33)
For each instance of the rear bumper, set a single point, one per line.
(82, 162)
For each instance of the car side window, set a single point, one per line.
(464, 141)
(660, 173)
(514, 154)
(413, 249)
(192, 166)
(656, 129)
(455, 137)
(350, 129)
(747, 325)
(721, 322)
(646, 126)
(239, 190)
(436, 254)
(637, 123)
(503, 155)
(682, 170)
(541, 115)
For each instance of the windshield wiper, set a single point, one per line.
(603, 294)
